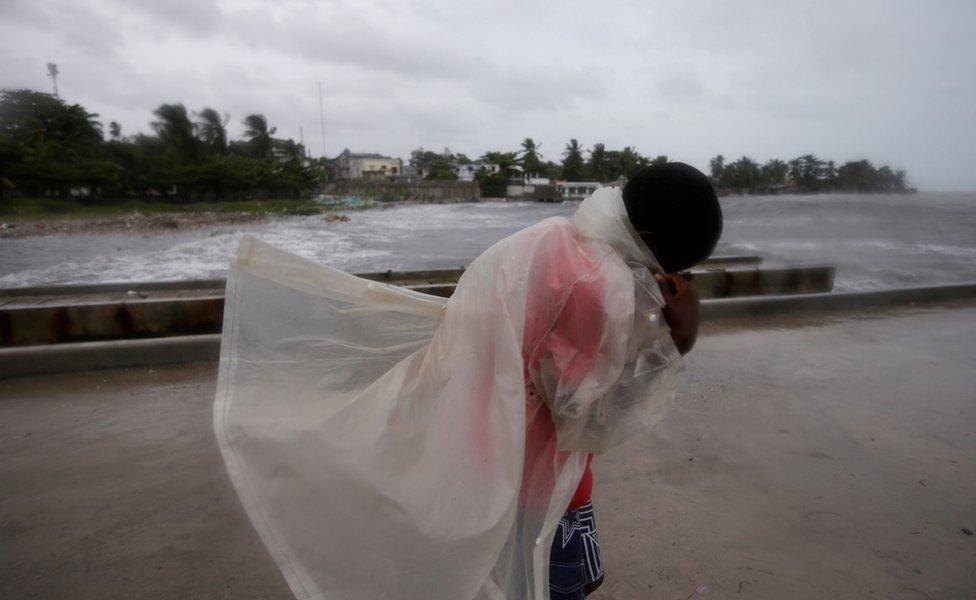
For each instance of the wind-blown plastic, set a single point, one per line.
(391, 444)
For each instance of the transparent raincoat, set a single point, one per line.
(391, 444)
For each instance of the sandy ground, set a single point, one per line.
(805, 460)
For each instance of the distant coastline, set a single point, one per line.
(58, 152)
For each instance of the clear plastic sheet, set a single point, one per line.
(390, 444)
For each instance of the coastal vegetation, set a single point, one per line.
(50, 148)
(803, 174)
(39, 206)
(806, 173)
(62, 156)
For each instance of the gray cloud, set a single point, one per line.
(185, 16)
(892, 81)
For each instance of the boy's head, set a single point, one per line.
(674, 209)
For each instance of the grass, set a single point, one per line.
(39, 208)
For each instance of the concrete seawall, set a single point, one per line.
(420, 191)
(85, 356)
(89, 313)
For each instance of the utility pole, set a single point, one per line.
(52, 72)
(321, 120)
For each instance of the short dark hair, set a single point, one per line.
(677, 204)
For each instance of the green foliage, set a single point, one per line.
(423, 159)
(624, 163)
(598, 165)
(258, 134)
(506, 161)
(174, 128)
(574, 168)
(49, 148)
(717, 165)
(441, 169)
(741, 174)
(531, 160)
(212, 130)
(36, 207)
(493, 185)
(773, 173)
(806, 173)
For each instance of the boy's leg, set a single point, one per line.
(567, 572)
(575, 562)
(592, 558)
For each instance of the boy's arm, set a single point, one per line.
(680, 310)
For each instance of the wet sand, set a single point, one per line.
(801, 460)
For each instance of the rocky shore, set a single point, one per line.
(129, 223)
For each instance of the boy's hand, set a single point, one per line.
(680, 309)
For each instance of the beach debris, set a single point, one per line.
(966, 530)
(332, 217)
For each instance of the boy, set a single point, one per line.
(675, 213)
(390, 444)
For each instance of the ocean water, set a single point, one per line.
(876, 241)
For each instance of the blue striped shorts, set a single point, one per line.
(574, 560)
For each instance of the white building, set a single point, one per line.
(577, 190)
(466, 172)
(351, 165)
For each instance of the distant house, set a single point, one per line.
(352, 165)
(287, 150)
(577, 190)
(540, 192)
(467, 171)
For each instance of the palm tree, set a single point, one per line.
(114, 130)
(174, 128)
(717, 165)
(573, 167)
(629, 161)
(530, 160)
(598, 162)
(259, 135)
(212, 129)
(774, 172)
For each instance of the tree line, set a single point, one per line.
(601, 164)
(49, 147)
(805, 173)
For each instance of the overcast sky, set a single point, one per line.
(893, 81)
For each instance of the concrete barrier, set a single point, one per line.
(91, 356)
(53, 319)
(396, 277)
(32, 325)
(764, 306)
(33, 360)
